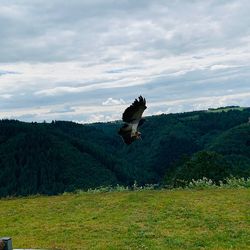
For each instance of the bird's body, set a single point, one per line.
(132, 117)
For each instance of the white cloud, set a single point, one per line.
(5, 96)
(62, 109)
(159, 112)
(204, 102)
(100, 118)
(218, 67)
(81, 53)
(111, 101)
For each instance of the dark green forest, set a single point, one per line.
(51, 158)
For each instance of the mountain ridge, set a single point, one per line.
(60, 156)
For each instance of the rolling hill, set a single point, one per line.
(50, 158)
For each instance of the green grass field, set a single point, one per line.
(226, 109)
(180, 219)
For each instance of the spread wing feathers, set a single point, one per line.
(134, 112)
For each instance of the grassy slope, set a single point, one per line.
(226, 109)
(207, 219)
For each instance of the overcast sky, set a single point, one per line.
(86, 60)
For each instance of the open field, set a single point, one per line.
(180, 219)
(226, 109)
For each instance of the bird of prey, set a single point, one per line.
(132, 117)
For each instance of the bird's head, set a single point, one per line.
(138, 135)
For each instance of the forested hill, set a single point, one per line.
(51, 158)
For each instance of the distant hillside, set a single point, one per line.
(51, 158)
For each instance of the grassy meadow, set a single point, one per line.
(148, 219)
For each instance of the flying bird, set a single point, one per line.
(132, 117)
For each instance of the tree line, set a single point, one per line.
(51, 158)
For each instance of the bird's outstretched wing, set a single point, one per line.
(132, 117)
(134, 111)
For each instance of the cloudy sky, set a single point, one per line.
(86, 60)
